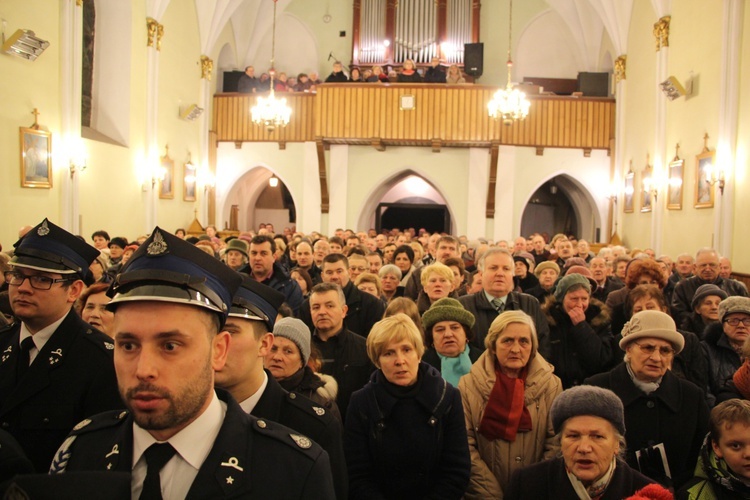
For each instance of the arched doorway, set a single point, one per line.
(259, 197)
(561, 205)
(407, 200)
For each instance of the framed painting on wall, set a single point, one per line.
(36, 158)
(674, 188)
(704, 180)
(188, 182)
(166, 184)
(628, 192)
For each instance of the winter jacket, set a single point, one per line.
(675, 414)
(582, 350)
(364, 310)
(407, 444)
(723, 360)
(493, 462)
(713, 480)
(684, 291)
(317, 387)
(484, 314)
(282, 282)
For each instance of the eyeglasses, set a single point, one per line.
(360, 268)
(737, 321)
(37, 281)
(650, 349)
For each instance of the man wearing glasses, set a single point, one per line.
(55, 369)
(723, 342)
(705, 271)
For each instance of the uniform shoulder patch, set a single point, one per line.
(293, 440)
(99, 421)
(309, 407)
(101, 341)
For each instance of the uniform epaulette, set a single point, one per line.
(99, 339)
(310, 407)
(95, 423)
(287, 436)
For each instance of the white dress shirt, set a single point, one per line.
(40, 338)
(250, 402)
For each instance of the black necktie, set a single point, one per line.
(23, 356)
(157, 456)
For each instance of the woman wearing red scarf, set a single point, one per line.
(507, 396)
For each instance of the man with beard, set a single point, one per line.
(55, 369)
(180, 437)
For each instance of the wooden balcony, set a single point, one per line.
(442, 116)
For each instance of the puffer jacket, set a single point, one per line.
(723, 360)
(582, 350)
(493, 462)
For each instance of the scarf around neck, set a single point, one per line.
(452, 369)
(597, 488)
(506, 414)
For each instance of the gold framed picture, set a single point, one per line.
(704, 179)
(36, 158)
(628, 192)
(674, 189)
(166, 185)
(188, 181)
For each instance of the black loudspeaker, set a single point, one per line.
(594, 84)
(474, 59)
(231, 78)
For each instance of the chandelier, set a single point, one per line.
(271, 112)
(509, 104)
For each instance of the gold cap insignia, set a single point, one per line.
(158, 246)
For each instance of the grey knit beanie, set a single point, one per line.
(296, 331)
(588, 400)
(568, 281)
(447, 309)
(734, 304)
(704, 291)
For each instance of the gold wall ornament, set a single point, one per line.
(159, 35)
(661, 32)
(207, 66)
(620, 67)
(79, 3)
(151, 27)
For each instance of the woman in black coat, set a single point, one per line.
(405, 435)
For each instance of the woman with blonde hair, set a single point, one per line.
(507, 397)
(437, 283)
(406, 306)
(409, 73)
(454, 75)
(404, 431)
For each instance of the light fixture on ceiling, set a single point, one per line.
(24, 44)
(269, 111)
(673, 89)
(509, 104)
(190, 113)
(273, 181)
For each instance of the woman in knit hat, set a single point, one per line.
(666, 416)
(547, 273)
(525, 277)
(287, 362)
(724, 340)
(589, 425)
(579, 331)
(507, 396)
(447, 331)
(705, 306)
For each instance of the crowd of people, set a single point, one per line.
(304, 82)
(399, 364)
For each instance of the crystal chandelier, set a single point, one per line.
(271, 112)
(509, 104)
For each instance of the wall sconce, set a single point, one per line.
(77, 156)
(716, 177)
(190, 113)
(24, 44)
(612, 193)
(273, 181)
(205, 178)
(673, 89)
(653, 183)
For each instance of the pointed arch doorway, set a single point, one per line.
(256, 198)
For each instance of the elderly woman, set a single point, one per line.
(690, 363)
(579, 331)
(93, 306)
(437, 282)
(638, 272)
(390, 277)
(404, 433)
(403, 258)
(507, 396)
(724, 340)
(447, 328)
(705, 307)
(369, 283)
(589, 425)
(665, 415)
(288, 360)
(525, 277)
(547, 273)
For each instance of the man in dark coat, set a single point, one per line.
(248, 83)
(251, 321)
(497, 268)
(337, 75)
(435, 73)
(264, 269)
(344, 354)
(605, 284)
(180, 437)
(706, 272)
(363, 309)
(55, 369)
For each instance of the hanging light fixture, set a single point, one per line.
(269, 111)
(509, 104)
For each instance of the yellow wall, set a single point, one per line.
(740, 255)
